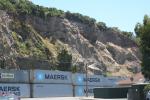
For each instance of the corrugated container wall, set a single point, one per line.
(52, 90)
(82, 90)
(21, 90)
(45, 76)
(92, 80)
(14, 76)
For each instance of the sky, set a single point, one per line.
(123, 14)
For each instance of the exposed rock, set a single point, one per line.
(116, 38)
(99, 51)
(121, 54)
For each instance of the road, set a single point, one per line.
(68, 98)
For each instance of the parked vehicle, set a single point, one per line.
(9, 97)
(148, 95)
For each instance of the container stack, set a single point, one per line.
(51, 83)
(46, 83)
(15, 82)
(84, 85)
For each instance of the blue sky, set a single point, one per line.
(123, 14)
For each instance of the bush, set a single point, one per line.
(25, 7)
(102, 26)
(146, 88)
(80, 18)
(74, 69)
(64, 60)
(128, 34)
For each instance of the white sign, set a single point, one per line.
(14, 76)
(7, 75)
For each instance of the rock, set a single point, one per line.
(120, 54)
(101, 51)
(100, 45)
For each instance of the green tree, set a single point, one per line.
(137, 29)
(64, 60)
(6, 5)
(2, 63)
(102, 26)
(128, 34)
(80, 18)
(25, 7)
(143, 32)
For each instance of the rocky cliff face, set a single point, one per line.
(102, 51)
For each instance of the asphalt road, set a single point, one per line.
(68, 98)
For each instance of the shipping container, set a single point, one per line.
(93, 80)
(52, 90)
(21, 90)
(46, 76)
(14, 76)
(83, 91)
(110, 82)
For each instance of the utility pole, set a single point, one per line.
(83, 53)
(86, 80)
